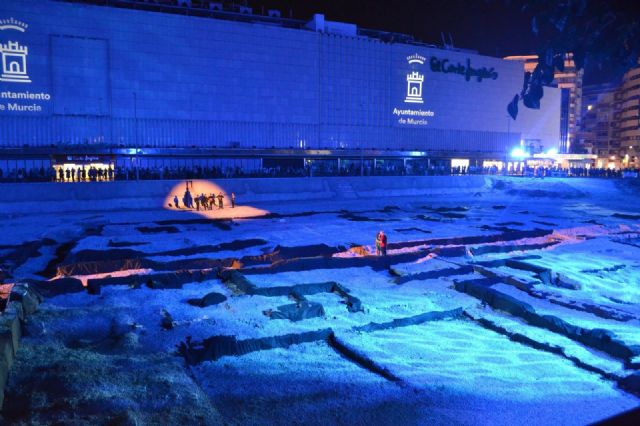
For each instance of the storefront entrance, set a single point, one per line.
(83, 168)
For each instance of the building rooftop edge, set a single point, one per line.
(334, 28)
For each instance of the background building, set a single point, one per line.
(570, 80)
(597, 134)
(611, 121)
(627, 126)
(170, 85)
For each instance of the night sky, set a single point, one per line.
(489, 27)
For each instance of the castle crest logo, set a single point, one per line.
(13, 55)
(408, 110)
(415, 80)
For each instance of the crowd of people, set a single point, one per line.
(202, 201)
(35, 174)
(104, 174)
(80, 174)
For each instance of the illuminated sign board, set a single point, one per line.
(466, 70)
(17, 94)
(410, 113)
(428, 89)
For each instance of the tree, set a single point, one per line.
(597, 32)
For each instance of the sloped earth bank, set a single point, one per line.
(514, 303)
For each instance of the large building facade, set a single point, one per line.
(78, 77)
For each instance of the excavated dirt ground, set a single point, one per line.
(517, 304)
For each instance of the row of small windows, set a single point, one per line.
(635, 76)
(634, 118)
(630, 108)
(627, 99)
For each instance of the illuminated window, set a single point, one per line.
(459, 162)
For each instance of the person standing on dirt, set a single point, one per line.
(220, 202)
(197, 203)
(383, 243)
(187, 200)
(176, 202)
(233, 200)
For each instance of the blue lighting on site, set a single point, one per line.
(519, 152)
(552, 151)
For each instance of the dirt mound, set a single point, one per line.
(540, 188)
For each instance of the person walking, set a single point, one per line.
(176, 202)
(220, 201)
(233, 200)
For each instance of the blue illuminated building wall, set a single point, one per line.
(120, 77)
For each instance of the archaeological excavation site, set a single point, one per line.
(498, 301)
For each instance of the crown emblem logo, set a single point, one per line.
(415, 80)
(13, 55)
(416, 59)
(13, 24)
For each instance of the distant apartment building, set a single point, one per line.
(597, 133)
(627, 118)
(610, 123)
(570, 80)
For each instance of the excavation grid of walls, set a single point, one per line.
(496, 297)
